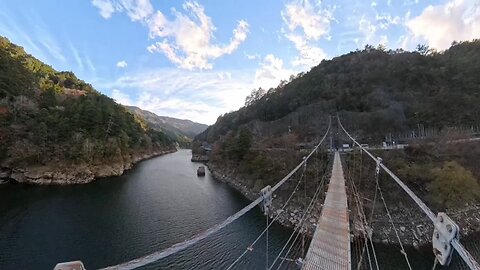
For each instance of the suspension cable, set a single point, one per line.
(320, 185)
(393, 225)
(363, 217)
(464, 254)
(250, 247)
(300, 224)
(312, 204)
(135, 263)
(266, 245)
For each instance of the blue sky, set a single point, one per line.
(199, 59)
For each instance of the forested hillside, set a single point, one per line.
(181, 130)
(375, 90)
(51, 118)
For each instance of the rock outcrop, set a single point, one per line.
(64, 174)
(288, 217)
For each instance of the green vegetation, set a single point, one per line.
(48, 116)
(445, 175)
(452, 182)
(376, 91)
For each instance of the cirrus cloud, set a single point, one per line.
(137, 10)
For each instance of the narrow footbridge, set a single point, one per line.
(331, 246)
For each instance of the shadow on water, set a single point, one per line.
(157, 204)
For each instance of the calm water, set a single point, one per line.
(158, 203)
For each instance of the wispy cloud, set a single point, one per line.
(199, 96)
(105, 7)
(305, 24)
(12, 30)
(77, 57)
(122, 64)
(90, 65)
(137, 10)
(271, 72)
(187, 40)
(252, 56)
(45, 37)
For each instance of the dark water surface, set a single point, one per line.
(158, 203)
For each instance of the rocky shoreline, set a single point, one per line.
(416, 231)
(289, 217)
(63, 174)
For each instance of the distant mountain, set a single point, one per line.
(181, 130)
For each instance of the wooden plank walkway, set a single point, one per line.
(330, 246)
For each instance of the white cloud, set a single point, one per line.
(122, 64)
(105, 6)
(368, 29)
(305, 24)
(137, 10)
(308, 55)
(384, 21)
(384, 40)
(271, 72)
(441, 24)
(199, 96)
(251, 56)
(122, 98)
(187, 40)
(374, 29)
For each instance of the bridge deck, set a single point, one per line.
(330, 246)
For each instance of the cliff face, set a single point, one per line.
(65, 174)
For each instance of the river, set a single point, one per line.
(158, 203)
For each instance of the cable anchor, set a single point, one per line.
(446, 230)
(377, 168)
(266, 194)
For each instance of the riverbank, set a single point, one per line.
(67, 174)
(413, 227)
(289, 217)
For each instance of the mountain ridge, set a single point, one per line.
(181, 130)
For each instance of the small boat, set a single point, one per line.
(201, 171)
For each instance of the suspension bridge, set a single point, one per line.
(331, 246)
